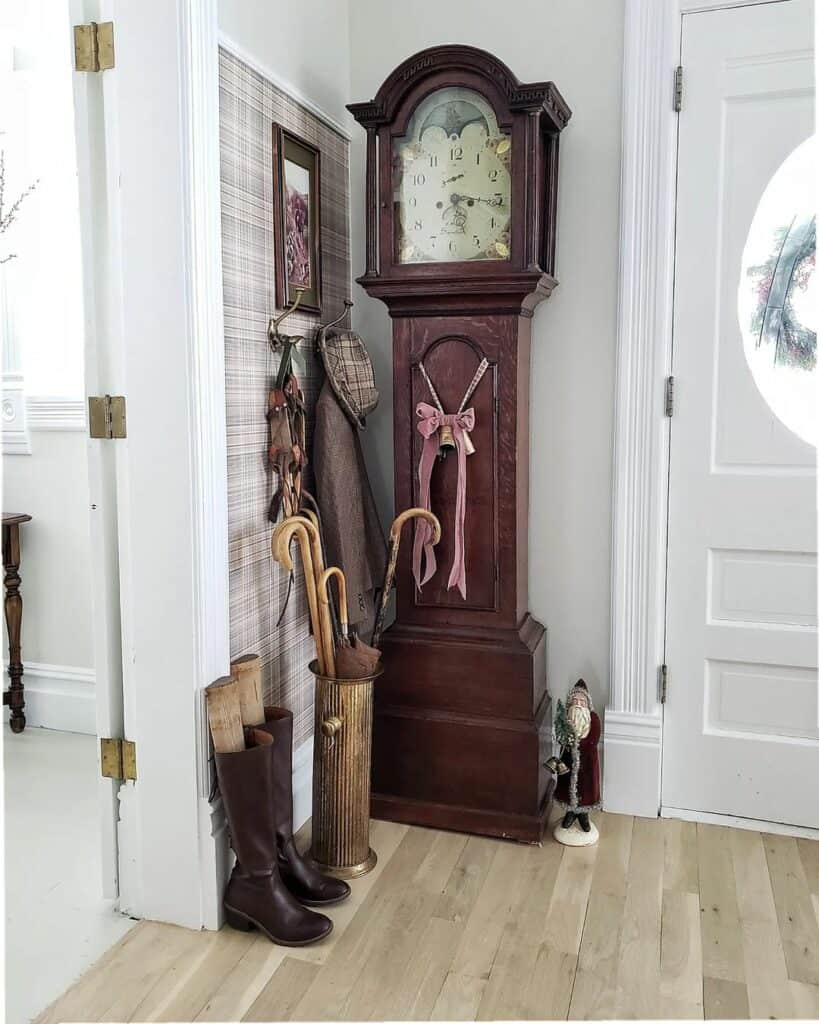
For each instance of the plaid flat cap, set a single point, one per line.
(349, 372)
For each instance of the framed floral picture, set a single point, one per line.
(296, 215)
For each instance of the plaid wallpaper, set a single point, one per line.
(249, 104)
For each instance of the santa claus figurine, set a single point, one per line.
(577, 730)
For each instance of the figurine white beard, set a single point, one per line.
(580, 793)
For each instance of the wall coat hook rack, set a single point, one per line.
(274, 337)
(348, 305)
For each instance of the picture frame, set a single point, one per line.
(296, 219)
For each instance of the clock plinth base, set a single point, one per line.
(462, 731)
(519, 827)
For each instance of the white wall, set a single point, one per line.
(52, 486)
(578, 45)
(305, 44)
(42, 335)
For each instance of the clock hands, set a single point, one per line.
(497, 201)
(454, 217)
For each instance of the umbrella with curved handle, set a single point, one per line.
(324, 596)
(389, 575)
(324, 608)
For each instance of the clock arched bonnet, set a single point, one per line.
(461, 198)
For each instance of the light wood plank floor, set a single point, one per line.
(661, 919)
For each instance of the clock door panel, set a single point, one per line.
(451, 362)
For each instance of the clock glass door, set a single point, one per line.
(452, 185)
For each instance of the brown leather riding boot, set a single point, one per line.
(256, 896)
(301, 877)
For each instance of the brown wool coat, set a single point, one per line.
(352, 530)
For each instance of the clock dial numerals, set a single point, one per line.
(452, 182)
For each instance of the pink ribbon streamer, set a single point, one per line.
(429, 424)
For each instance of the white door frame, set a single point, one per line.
(199, 57)
(165, 348)
(633, 717)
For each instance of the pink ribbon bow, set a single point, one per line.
(429, 423)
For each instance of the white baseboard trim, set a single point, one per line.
(217, 858)
(302, 784)
(632, 746)
(731, 821)
(60, 697)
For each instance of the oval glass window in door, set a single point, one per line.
(777, 294)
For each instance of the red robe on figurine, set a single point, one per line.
(579, 788)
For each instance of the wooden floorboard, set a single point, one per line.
(766, 974)
(662, 919)
(595, 984)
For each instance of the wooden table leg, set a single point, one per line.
(13, 607)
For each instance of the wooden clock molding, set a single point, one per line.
(463, 713)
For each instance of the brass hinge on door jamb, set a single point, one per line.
(669, 396)
(94, 46)
(118, 759)
(678, 88)
(663, 678)
(106, 416)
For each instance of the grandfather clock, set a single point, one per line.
(461, 191)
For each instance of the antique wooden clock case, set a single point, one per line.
(463, 715)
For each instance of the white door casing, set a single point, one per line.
(633, 720)
(149, 186)
(741, 734)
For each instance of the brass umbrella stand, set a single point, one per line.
(343, 717)
(341, 775)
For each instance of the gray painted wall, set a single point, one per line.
(578, 45)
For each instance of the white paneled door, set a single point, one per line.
(741, 734)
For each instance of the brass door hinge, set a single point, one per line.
(663, 683)
(118, 759)
(94, 46)
(678, 88)
(106, 416)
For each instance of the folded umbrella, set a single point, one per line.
(389, 575)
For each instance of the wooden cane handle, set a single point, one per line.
(280, 545)
(389, 575)
(324, 614)
(282, 535)
(324, 594)
(416, 513)
(309, 514)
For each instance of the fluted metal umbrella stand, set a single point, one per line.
(341, 775)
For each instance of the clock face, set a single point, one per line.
(452, 186)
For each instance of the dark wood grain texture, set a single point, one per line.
(462, 712)
(14, 696)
